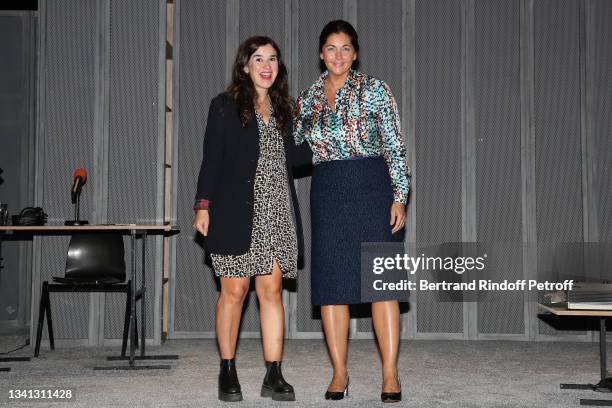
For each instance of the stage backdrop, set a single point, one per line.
(17, 119)
(100, 107)
(506, 110)
(506, 115)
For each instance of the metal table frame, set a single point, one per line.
(605, 382)
(134, 231)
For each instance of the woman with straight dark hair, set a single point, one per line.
(246, 207)
(359, 191)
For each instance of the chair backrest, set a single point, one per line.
(96, 257)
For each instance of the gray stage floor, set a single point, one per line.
(433, 373)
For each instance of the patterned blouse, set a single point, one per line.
(366, 123)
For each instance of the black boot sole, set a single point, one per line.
(233, 397)
(277, 396)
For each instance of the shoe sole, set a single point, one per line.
(230, 397)
(391, 398)
(277, 396)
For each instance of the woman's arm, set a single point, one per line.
(300, 151)
(212, 156)
(301, 118)
(301, 160)
(394, 152)
(392, 143)
(214, 140)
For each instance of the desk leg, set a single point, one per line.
(133, 294)
(143, 303)
(605, 383)
(143, 315)
(602, 348)
(2, 368)
(142, 355)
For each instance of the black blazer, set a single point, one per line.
(227, 175)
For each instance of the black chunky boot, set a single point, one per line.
(274, 385)
(229, 387)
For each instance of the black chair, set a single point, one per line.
(95, 263)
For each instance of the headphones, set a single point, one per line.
(30, 216)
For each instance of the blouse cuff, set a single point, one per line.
(201, 205)
(400, 197)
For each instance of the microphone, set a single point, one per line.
(80, 178)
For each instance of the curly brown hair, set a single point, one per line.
(242, 89)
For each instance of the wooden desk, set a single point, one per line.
(133, 230)
(172, 229)
(605, 383)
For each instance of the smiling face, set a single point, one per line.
(263, 67)
(338, 54)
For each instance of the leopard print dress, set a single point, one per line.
(273, 235)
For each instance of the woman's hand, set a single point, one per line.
(398, 217)
(201, 222)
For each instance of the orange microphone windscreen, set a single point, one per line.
(82, 173)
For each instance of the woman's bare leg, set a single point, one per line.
(336, 327)
(228, 312)
(271, 312)
(386, 318)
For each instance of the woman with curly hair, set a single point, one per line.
(246, 207)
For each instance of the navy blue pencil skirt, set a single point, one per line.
(350, 202)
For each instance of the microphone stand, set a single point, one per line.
(77, 207)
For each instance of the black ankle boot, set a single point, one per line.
(274, 385)
(229, 387)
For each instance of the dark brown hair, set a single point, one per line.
(337, 27)
(242, 88)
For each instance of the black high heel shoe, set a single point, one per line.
(229, 387)
(392, 396)
(338, 395)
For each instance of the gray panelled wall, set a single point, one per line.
(506, 116)
(101, 107)
(506, 109)
(17, 112)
